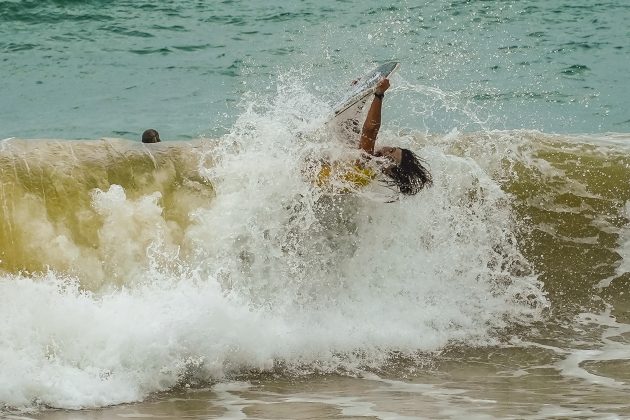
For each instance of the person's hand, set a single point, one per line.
(382, 86)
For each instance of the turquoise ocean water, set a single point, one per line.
(90, 69)
(209, 277)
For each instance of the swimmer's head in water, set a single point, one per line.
(407, 173)
(150, 136)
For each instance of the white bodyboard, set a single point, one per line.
(346, 112)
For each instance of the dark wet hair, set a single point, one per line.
(410, 176)
(150, 136)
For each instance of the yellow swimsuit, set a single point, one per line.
(337, 175)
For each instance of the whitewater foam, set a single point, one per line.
(268, 273)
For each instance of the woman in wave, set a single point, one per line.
(403, 169)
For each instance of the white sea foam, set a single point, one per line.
(612, 348)
(623, 249)
(280, 274)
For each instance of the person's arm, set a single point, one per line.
(373, 120)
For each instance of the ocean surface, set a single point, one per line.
(208, 277)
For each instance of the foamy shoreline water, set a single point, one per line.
(496, 382)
